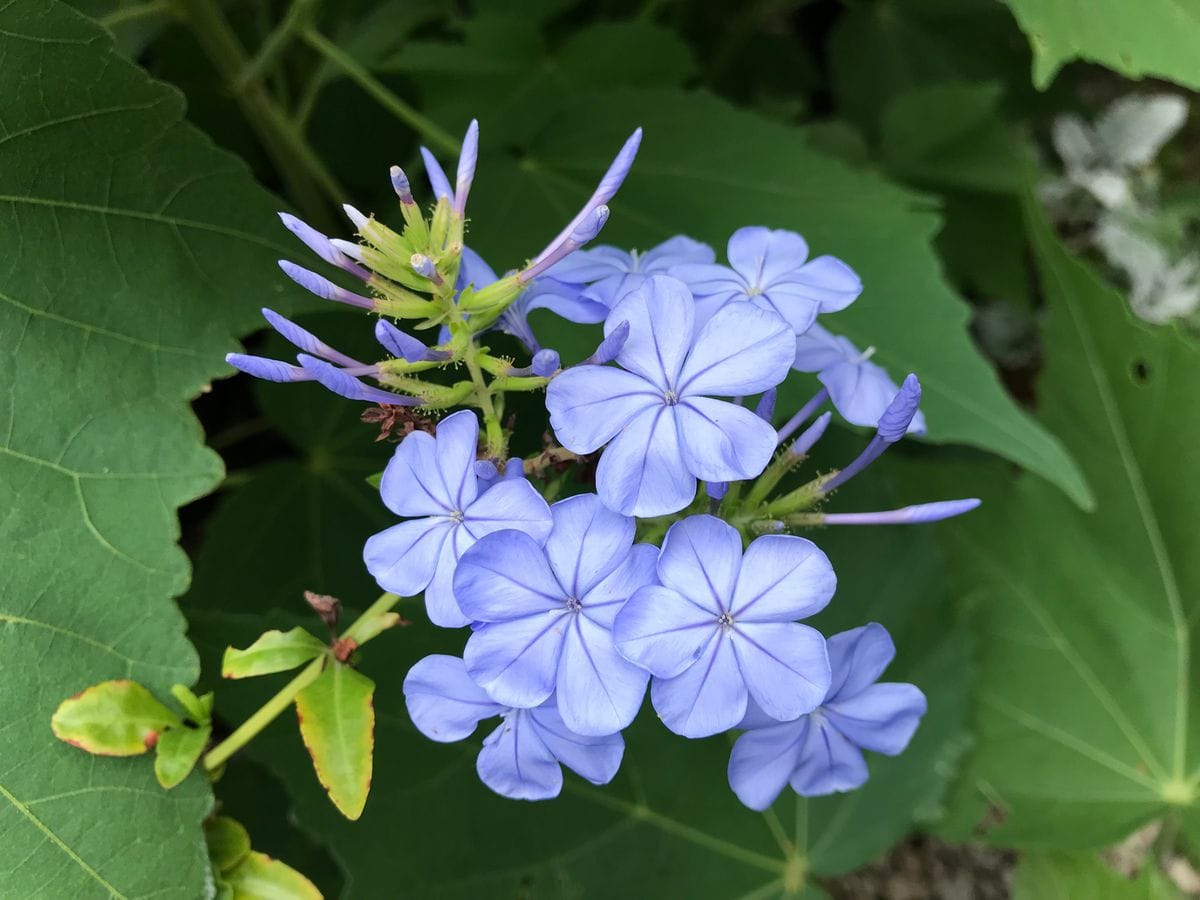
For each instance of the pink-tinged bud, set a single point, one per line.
(401, 186)
(323, 287)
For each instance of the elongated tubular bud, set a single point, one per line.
(306, 340)
(401, 186)
(801, 416)
(466, 167)
(423, 266)
(909, 515)
(357, 219)
(893, 425)
(323, 287)
(813, 433)
(267, 369)
(610, 347)
(766, 406)
(581, 234)
(322, 246)
(437, 177)
(346, 385)
(404, 345)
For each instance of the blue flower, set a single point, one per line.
(544, 616)
(433, 480)
(769, 268)
(721, 627)
(657, 410)
(860, 389)
(602, 276)
(821, 753)
(523, 758)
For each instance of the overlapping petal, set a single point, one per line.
(642, 472)
(828, 281)
(599, 691)
(660, 314)
(587, 543)
(708, 697)
(516, 661)
(883, 717)
(762, 255)
(595, 759)
(506, 576)
(785, 666)
(828, 763)
(740, 350)
(412, 482)
(662, 631)
(440, 601)
(701, 557)
(858, 658)
(457, 446)
(443, 702)
(602, 603)
(511, 503)
(782, 578)
(589, 405)
(762, 762)
(403, 558)
(516, 763)
(723, 441)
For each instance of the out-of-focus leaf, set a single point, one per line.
(274, 651)
(1151, 37)
(133, 249)
(228, 842)
(337, 722)
(1086, 725)
(177, 753)
(258, 877)
(706, 169)
(1044, 875)
(113, 718)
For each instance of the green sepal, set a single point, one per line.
(274, 651)
(496, 297)
(375, 480)
(198, 708)
(178, 751)
(113, 718)
(337, 723)
(228, 842)
(258, 877)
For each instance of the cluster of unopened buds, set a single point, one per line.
(571, 617)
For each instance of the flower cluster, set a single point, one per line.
(652, 583)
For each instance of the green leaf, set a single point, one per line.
(755, 172)
(1086, 725)
(337, 722)
(1066, 876)
(1151, 37)
(228, 842)
(177, 753)
(198, 708)
(258, 877)
(136, 247)
(274, 651)
(114, 718)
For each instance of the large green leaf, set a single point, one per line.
(1086, 728)
(133, 247)
(706, 169)
(1150, 37)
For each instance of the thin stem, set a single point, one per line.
(298, 16)
(427, 128)
(304, 175)
(269, 711)
(133, 13)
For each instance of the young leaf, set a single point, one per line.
(177, 752)
(1045, 875)
(228, 842)
(258, 877)
(113, 718)
(198, 708)
(337, 722)
(275, 651)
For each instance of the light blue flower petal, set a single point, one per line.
(783, 578)
(791, 304)
(440, 601)
(662, 631)
(763, 256)
(708, 697)
(412, 484)
(474, 270)
(828, 281)
(506, 576)
(861, 391)
(881, 718)
(602, 603)
(642, 472)
(701, 557)
(762, 762)
(599, 691)
(443, 702)
(593, 264)
(457, 447)
(785, 666)
(589, 405)
(509, 503)
(858, 658)
(819, 349)
(516, 763)
(516, 661)
(595, 759)
(588, 542)
(741, 350)
(828, 763)
(723, 441)
(402, 559)
(660, 315)
(565, 300)
(676, 251)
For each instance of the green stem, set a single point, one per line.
(269, 711)
(304, 175)
(425, 127)
(298, 16)
(134, 13)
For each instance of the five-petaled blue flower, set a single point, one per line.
(434, 480)
(544, 616)
(820, 753)
(860, 389)
(521, 758)
(658, 409)
(721, 627)
(772, 270)
(602, 276)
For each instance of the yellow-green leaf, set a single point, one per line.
(337, 722)
(228, 842)
(113, 718)
(275, 651)
(258, 877)
(177, 752)
(199, 708)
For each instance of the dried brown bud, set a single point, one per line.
(328, 608)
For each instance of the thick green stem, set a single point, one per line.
(298, 16)
(304, 175)
(135, 13)
(427, 128)
(269, 711)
